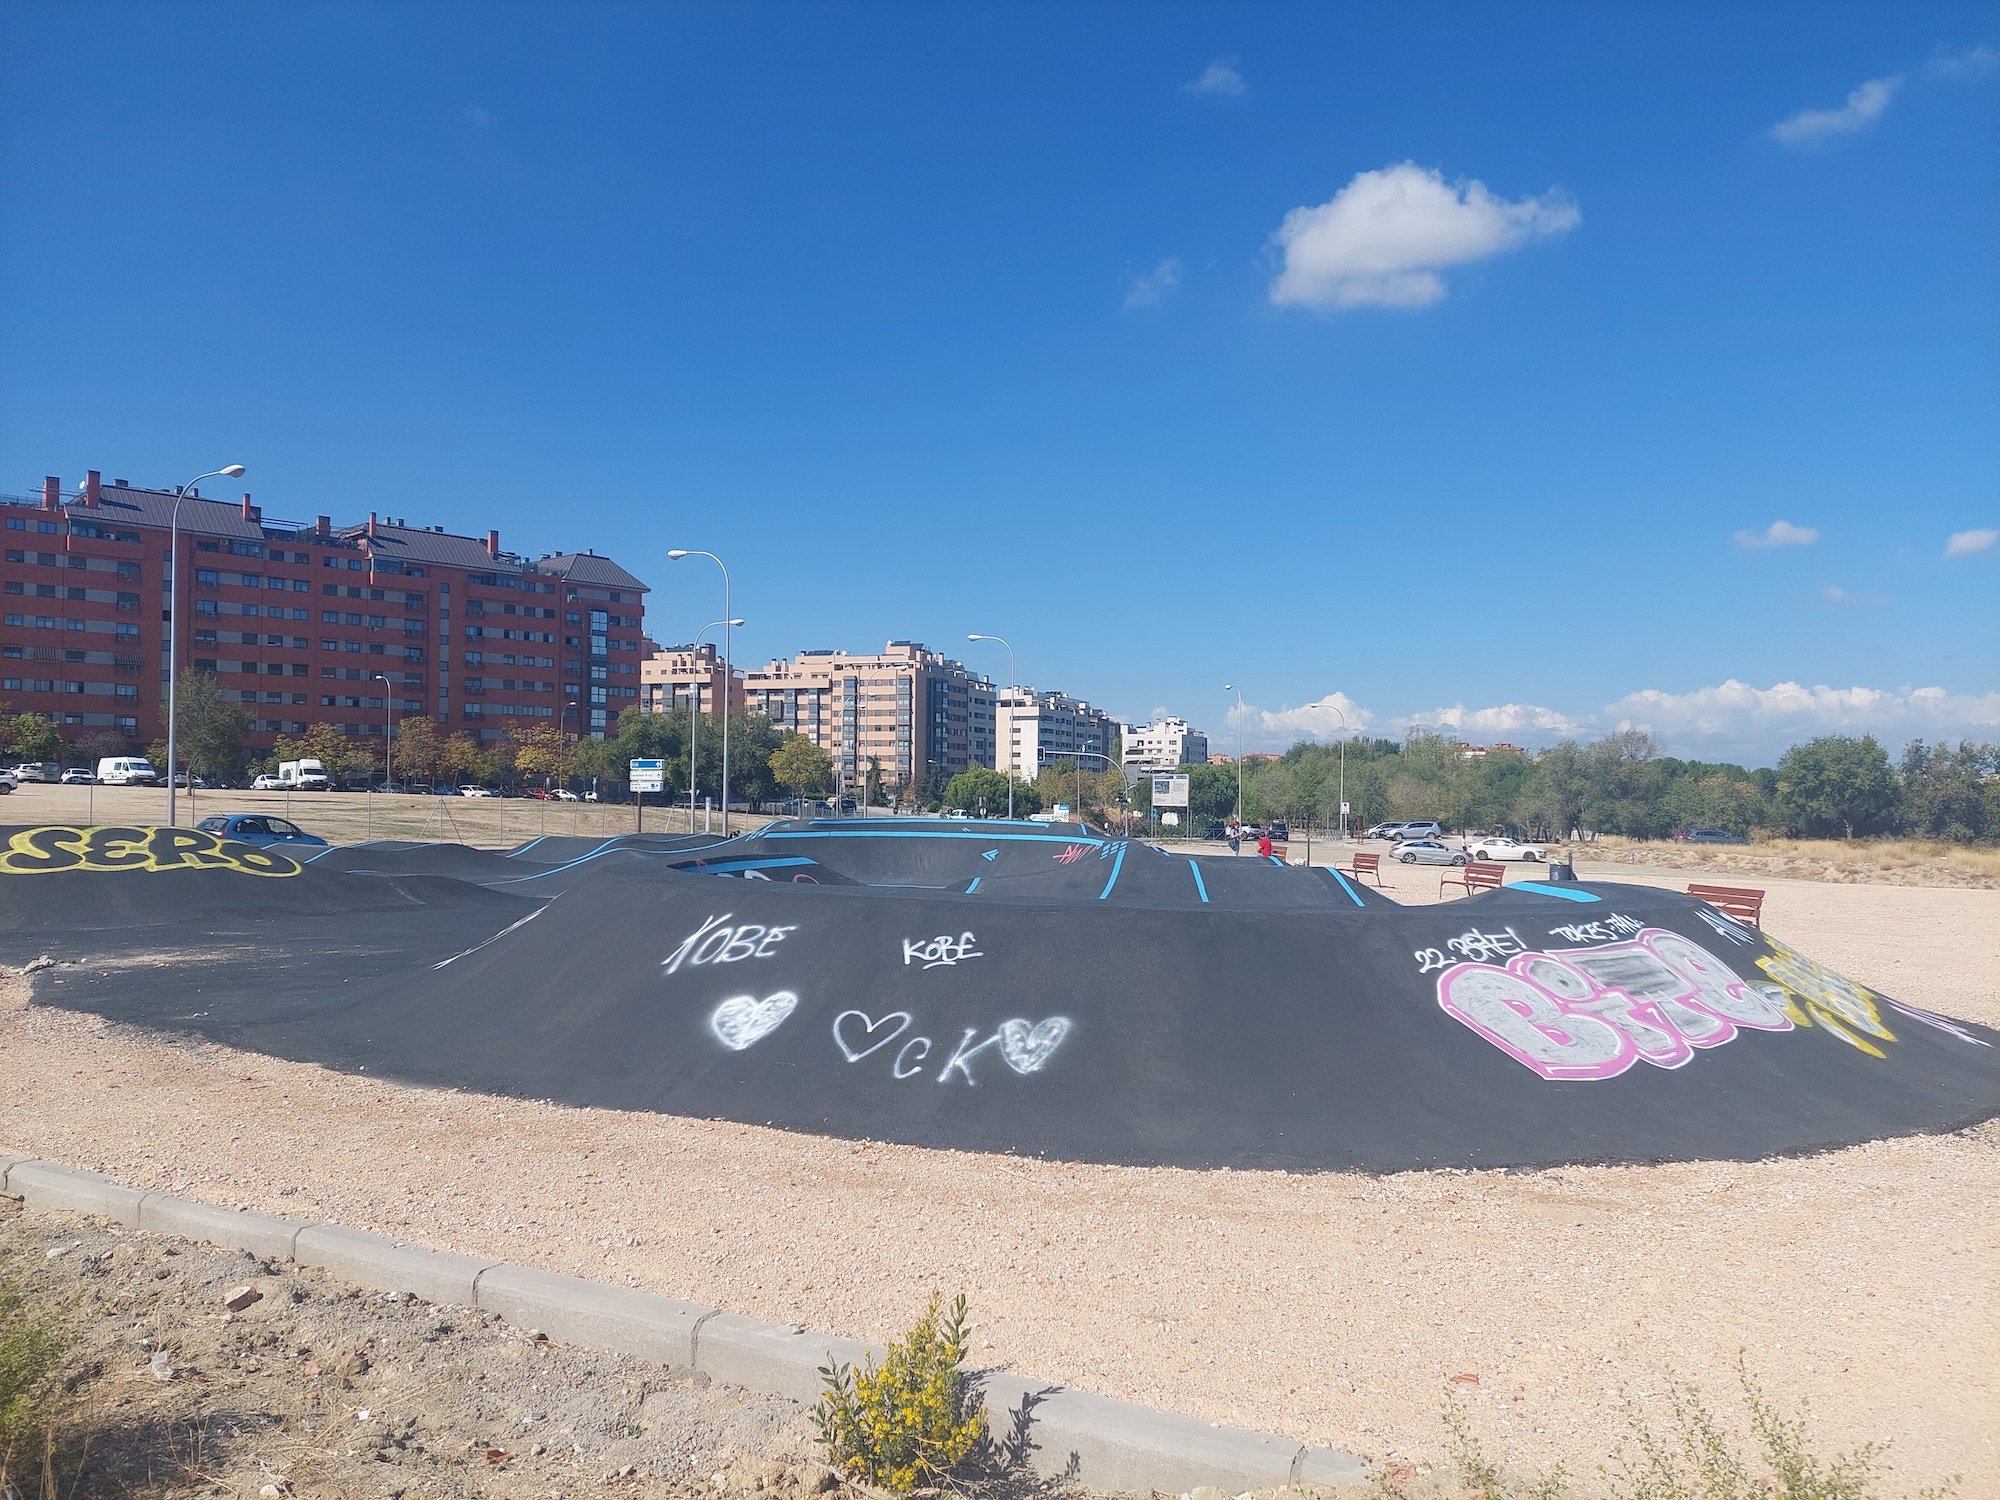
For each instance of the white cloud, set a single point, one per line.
(1506, 721)
(1751, 720)
(1778, 534)
(1151, 288)
(1863, 108)
(1317, 720)
(1381, 240)
(1222, 78)
(1974, 62)
(1965, 543)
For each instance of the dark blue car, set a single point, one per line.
(260, 831)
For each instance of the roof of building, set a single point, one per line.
(589, 568)
(421, 545)
(156, 508)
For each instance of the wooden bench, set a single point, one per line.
(1365, 865)
(1477, 876)
(1281, 852)
(1734, 900)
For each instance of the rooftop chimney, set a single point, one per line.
(52, 492)
(492, 544)
(93, 487)
(325, 526)
(252, 512)
(371, 523)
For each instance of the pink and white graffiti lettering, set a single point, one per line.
(1590, 1013)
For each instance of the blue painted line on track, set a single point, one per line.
(1352, 894)
(1200, 885)
(322, 853)
(531, 844)
(586, 859)
(1542, 889)
(1116, 865)
(748, 864)
(920, 833)
(975, 884)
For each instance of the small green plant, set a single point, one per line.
(908, 1425)
(31, 1353)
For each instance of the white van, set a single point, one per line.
(126, 770)
(304, 776)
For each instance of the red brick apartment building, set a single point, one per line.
(301, 624)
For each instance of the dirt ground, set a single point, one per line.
(321, 1389)
(1335, 1308)
(350, 817)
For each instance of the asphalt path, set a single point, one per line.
(1022, 988)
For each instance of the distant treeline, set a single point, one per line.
(1838, 786)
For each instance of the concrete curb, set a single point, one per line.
(1105, 1444)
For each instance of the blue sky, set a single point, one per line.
(1446, 365)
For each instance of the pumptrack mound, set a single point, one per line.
(1008, 987)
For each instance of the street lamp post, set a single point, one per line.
(694, 716)
(388, 729)
(728, 677)
(227, 471)
(1014, 687)
(1230, 687)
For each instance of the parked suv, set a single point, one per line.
(1712, 836)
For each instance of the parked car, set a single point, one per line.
(6, 782)
(77, 776)
(563, 794)
(267, 784)
(1426, 829)
(475, 791)
(1505, 848)
(260, 830)
(1382, 831)
(1711, 836)
(181, 779)
(1428, 852)
(590, 796)
(37, 770)
(417, 789)
(126, 770)
(1280, 831)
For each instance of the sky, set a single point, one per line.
(1523, 371)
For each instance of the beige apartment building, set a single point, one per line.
(686, 676)
(918, 714)
(1034, 730)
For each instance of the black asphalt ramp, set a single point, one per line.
(1073, 1001)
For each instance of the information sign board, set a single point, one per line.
(1170, 790)
(649, 776)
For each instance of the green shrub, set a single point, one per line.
(908, 1425)
(31, 1353)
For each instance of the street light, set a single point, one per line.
(1014, 687)
(228, 471)
(694, 716)
(389, 728)
(728, 677)
(1230, 687)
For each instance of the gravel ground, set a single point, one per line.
(1332, 1307)
(320, 1389)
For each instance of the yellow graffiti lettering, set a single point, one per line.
(44, 851)
(1816, 996)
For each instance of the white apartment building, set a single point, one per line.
(1162, 745)
(1032, 730)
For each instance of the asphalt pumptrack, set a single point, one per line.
(1027, 988)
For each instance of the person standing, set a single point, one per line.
(1235, 832)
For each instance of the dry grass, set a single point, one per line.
(1841, 861)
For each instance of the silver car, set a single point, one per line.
(1429, 852)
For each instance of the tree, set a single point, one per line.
(802, 766)
(459, 757)
(982, 792)
(210, 730)
(1836, 783)
(326, 744)
(32, 737)
(544, 750)
(871, 787)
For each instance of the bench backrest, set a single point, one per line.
(1369, 863)
(1735, 899)
(1481, 875)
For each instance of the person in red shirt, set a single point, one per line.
(1264, 845)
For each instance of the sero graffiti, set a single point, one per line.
(1025, 1046)
(744, 1020)
(1592, 1013)
(716, 942)
(942, 951)
(45, 851)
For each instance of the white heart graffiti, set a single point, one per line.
(874, 1044)
(743, 1020)
(1026, 1047)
